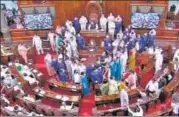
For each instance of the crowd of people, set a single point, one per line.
(115, 70)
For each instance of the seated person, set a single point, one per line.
(138, 111)
(165, 101)
(29, 98)
(175, 102)
(166, 78)
(30, 78)
(92, 45)
(66, 107)
(93, 26)
(142, 98)
(152, 87)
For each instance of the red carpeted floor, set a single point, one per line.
(86, 104)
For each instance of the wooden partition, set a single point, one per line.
(67, 10)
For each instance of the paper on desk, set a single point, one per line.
(25, 67)
(65, 98)
(73, 86)
(83, 59)
(35, 71)
(39, 74)
(42, 92)
(58, 96)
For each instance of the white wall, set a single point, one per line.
(9, 4)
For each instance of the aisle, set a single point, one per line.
(87, 104)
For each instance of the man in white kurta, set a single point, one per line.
(37, 42)
(48, 60)
(51, 38)
(71, 29)
(124, 98)
(123, 60)
(58, 30)
(111, 27)
(68, 50)
(158, 62)
(103, 22)
(83, 21)
(74, 46)
(111, 18)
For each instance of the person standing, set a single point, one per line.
(80, 41)
(37, 42)
(76, 25)
(48, 61)
(124, 98)
(84, 83)
(83, 21)
(103, 22)
(51, 38)
(22, 49)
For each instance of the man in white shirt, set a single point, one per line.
(138, 111)
(48, 60)
(111, 18)
(103, 22)
(124, 98)
(158, 61)
(51, 38)
(29, 77)
(176, 60)
(37, 42)
(111, 27)
(83, 21)
(71, 29)
(152, 87)
(74, 46)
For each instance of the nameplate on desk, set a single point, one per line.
(58, 97)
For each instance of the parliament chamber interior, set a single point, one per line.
(89, 58)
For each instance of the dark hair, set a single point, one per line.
(105, 81)
(82, 73)
(25, 74)
(163, 97)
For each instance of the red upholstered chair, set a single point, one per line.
(57, 113)
(39, 110)
(120, 113)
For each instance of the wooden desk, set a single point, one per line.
(65, 86)
(39, 76)
(160, 112)
(19, 77)
(119, 108)
(172, 84)
(97, 36)
(113, 98)
(52, 95)
(38, 104)
(91, 57)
